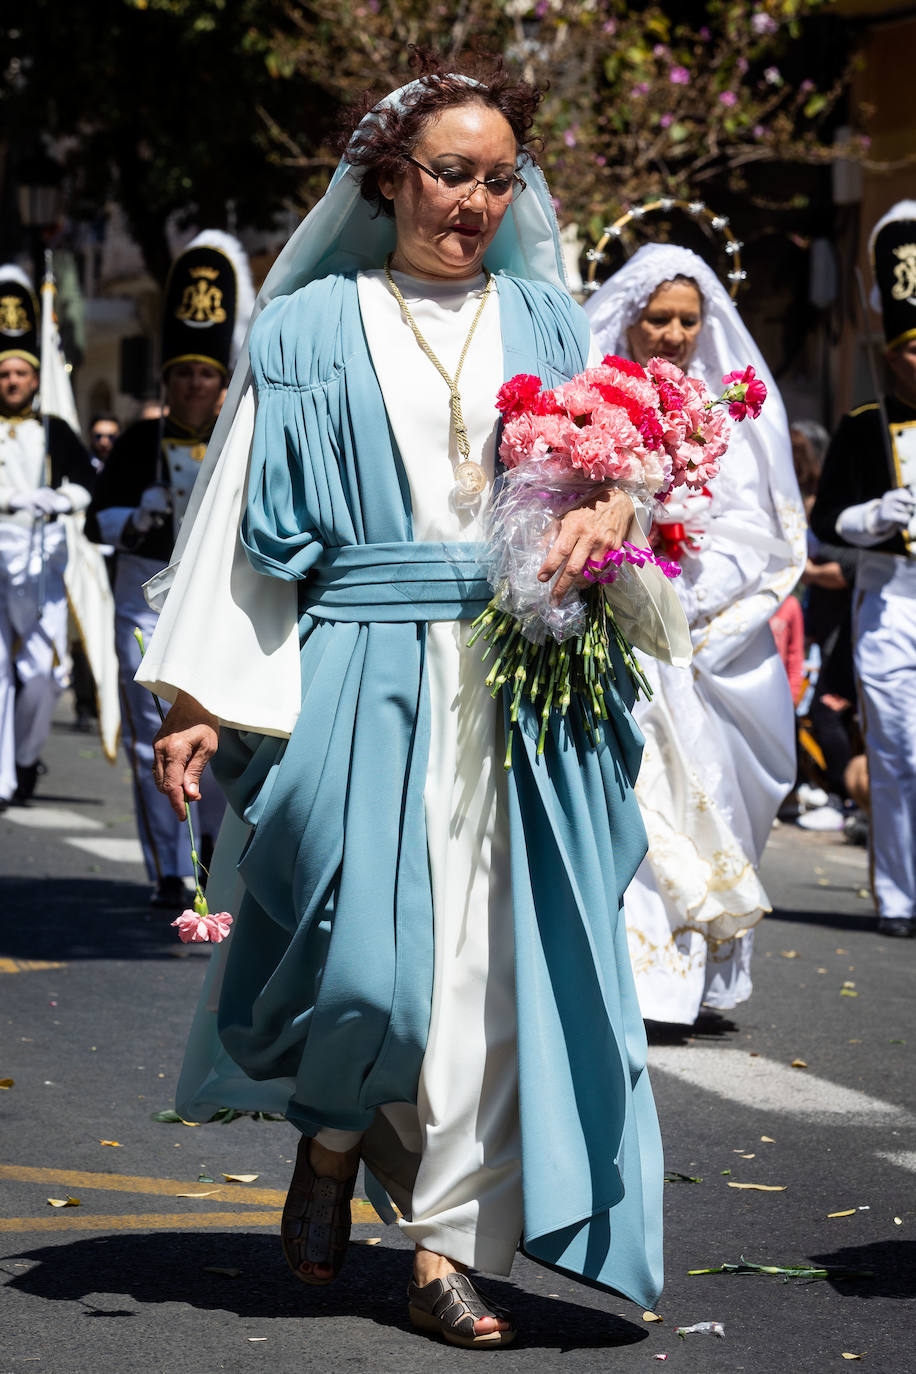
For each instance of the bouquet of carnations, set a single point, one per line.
(645, 431)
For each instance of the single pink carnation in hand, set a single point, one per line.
(194, 928)
(518, 394)
(745, 395)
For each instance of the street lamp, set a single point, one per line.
(41, 200)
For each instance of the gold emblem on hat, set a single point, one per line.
(13, 317)
(905, 272)
(202, 301)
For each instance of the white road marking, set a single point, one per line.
(51, 818)
(110, 848)
(769, 1086)
(904, 1159)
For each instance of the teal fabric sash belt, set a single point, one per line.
(397, 582)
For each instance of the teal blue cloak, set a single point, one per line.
(324, 1004)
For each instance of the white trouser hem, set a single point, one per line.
(476, 1249)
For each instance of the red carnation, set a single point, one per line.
(625, 365)
(519, 394)
(669, 397)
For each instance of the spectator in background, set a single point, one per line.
(827, 582)
(104, 429)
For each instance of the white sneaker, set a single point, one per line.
(809, 797)
(821, 818)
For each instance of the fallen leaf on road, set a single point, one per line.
(672, 1176)
(799, 1064)
(659, 1357)
(898, 1221)
(218, 1269)
(768, 1140)
(209, 1193)
(848, 992)
(748, 1156)
(790, 953)
(652, 1317)
(849, 984)
(241, 1178)
(64, 1201)
(850, 1213)
(252, 1340)
(841, 951)
(823, 882)
(115, 1144)
(7, 1082)
(762, 1187)
(848, 1355)
(820, 970)
(725, 1172)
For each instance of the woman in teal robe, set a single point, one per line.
(322, 1003)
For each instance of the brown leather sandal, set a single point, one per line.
(449, 1308)
(315, 1228)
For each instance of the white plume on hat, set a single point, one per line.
(11, 271)
(904, 209)
(226, 243)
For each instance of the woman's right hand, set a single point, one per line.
(186, 741)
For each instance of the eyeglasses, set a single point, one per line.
(455, 185)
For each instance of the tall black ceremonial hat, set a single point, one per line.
(893, 257)
(18, 316)
(201, 296)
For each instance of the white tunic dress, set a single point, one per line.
(466, 1123)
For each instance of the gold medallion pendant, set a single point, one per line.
(470, 478)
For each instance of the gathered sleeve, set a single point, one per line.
(288, 497)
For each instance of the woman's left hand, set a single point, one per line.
(590, 531)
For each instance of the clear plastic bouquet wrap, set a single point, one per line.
(644, 431)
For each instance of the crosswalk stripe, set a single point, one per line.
(51, 818)
(109, 847)
(768, 1086)
(904, 1159)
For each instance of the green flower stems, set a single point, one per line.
(553, 675)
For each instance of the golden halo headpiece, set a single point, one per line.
(696, 209)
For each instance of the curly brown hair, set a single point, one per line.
(395, 132)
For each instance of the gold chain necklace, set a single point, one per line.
(470, 478)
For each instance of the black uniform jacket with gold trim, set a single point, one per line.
(135, 463)
(856, 470)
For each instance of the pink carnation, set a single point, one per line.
(194, 928)
(522, 440)
(746, 394)
(669, 396)
(577, 397)
(661, 370)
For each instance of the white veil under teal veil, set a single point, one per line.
(257, 622)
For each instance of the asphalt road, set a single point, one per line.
(809, 1089)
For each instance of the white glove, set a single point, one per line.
(41, 501)
(155, 505)
(895, 510)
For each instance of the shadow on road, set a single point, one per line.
(710, 1026)
(84, 918)
(832, 920)
(168, 1267)
(893, 1263)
